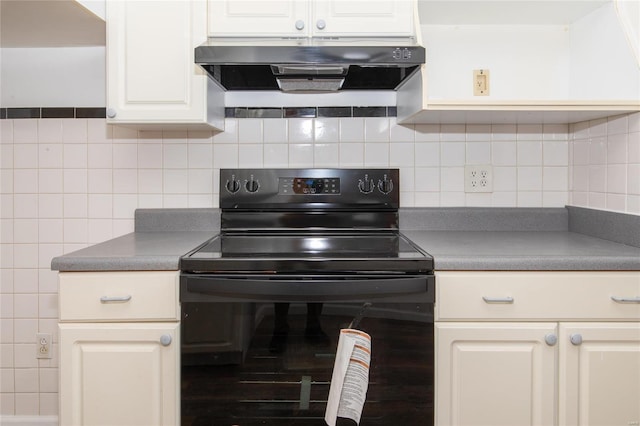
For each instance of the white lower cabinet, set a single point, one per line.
(495, 374)
(119, 374)
(119, 349)
(537, 348)
(600, 374)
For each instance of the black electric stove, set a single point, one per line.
(300, 255)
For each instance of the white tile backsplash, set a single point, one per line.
(275, 131)
(351, 129)
(555, 153)
(71, 183)
(326, 154)
(606, 178)
(376, 154)
(250, 130)
(452, 154)
(376, 129)
(617, 149)
(529, 153)
(276, 155)
(478, 153)
(597, 150)
(327, 130)
(529, 179)
(50, 155)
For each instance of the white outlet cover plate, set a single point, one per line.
(478, 178)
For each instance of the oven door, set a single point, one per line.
(260, 350)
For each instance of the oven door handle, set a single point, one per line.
(205, 288)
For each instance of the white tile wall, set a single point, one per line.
(66, 184)
(604, 164)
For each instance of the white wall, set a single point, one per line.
(52, 77)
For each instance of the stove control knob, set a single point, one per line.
(252, 185)
(385, 185)
(366, 185)
(233, 185)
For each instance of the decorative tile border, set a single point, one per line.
(62, 112)
(237, 112)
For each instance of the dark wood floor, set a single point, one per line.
(291, 388)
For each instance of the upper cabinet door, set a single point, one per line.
(151, 74)
(310, 18)
(258, 18)
(362, 18)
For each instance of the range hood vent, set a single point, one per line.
(309, 69)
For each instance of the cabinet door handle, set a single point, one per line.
(111, 112)
(115, 299)
(576, 339)
(626, 299)
(165, 340)
(551, 339)
(507, 299)
(299, 24)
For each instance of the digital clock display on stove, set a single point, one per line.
(309, 186)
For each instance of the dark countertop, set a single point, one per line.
(512, 250)
(138, 251)
(457, 238)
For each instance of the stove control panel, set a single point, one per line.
(309, 186)
(328, 188)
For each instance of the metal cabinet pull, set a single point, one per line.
(626, 299)
(165, 340)
(115, 299)
(576, 339)
(497, 299)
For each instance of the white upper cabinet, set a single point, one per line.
(253, 18)
(369, 18)
(311, 18)
(544, 62)
(152, 79)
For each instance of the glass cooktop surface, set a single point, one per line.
(327, 252)
(386, 245)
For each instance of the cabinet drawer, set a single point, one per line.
(537, 295)
(118, 296)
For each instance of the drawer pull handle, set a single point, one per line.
(115, 299)
(626, 299)
(497, 299)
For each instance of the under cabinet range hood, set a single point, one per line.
(309, 68)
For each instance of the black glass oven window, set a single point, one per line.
(270, 364)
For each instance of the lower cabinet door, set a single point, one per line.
(119, 374)
(495, 374)
(599, 374)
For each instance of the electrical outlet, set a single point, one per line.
(478, 178)
(43, 345)
(480, 82)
